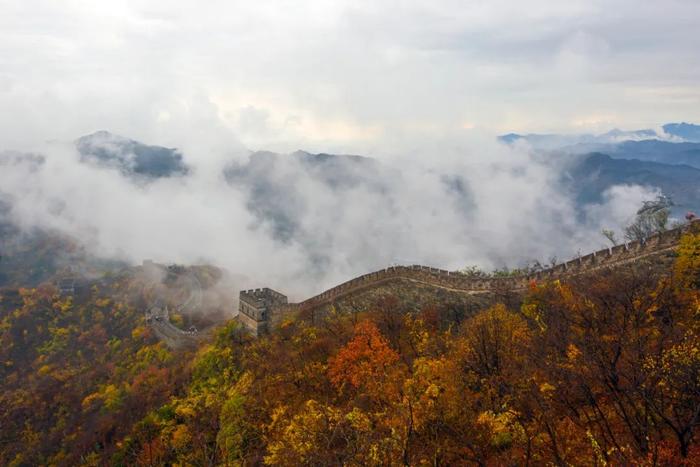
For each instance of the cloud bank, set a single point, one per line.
(303, 223)
(422, 86)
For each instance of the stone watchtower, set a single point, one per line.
(257, 307)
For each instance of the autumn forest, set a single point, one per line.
(602, 369)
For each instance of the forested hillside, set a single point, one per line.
(76, 372)
(603, 369)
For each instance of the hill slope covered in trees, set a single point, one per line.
(598, 369)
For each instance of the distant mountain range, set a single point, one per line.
(685, 131)
(279, 201)
(672, 132)
(130, 157)
(667, 160)
(589, 176)
(547, 142)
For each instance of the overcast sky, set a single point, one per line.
(343, 76)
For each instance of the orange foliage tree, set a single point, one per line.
(365, 362)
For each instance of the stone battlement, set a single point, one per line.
(257, 307)
(460, 282)
(264, 294)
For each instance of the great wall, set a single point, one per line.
(158, 314)
(261, 309)
(158, 310)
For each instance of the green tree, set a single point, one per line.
(651, 218)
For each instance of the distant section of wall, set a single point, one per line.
(158, 316)
(456, 281)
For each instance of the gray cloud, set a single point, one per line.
(350, 75)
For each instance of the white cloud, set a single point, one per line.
(477, 203)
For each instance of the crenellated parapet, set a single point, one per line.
(459, 282)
